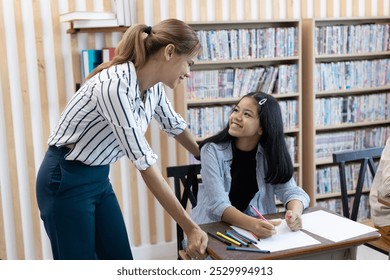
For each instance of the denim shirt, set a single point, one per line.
(213, 194)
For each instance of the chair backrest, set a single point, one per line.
(364, 157)
(186, 182)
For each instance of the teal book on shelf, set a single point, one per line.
(90, 59)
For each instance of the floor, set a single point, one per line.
(366, 253)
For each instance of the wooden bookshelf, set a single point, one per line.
(344, 44)
(187, 99)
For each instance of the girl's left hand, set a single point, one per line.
(294, 220)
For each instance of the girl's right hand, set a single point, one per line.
(264, 229)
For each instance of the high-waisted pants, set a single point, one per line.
(79, 209)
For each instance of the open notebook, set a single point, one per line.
(322, 223)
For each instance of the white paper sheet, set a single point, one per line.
(284, 239)
(333, 227)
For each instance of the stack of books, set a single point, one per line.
(119, 16)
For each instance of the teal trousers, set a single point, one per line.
(80, 210)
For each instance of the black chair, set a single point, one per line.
(365, 158)
(186, 182)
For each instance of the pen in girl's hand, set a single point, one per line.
(258, 213)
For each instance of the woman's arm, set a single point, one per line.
(187, 140)
(197, 239)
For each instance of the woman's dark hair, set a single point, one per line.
(140, 41)
(279, 164)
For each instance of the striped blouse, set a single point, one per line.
(107, 119)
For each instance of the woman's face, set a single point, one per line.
(178, 69)
(244, 121)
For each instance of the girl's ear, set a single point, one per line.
(260, 131)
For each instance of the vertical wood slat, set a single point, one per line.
(343, 8)
(247, 9)
(329, 8)
(57, 40)
(150, 203)
(91, 38)
(75, 50)
(164, 164)
(172, 9)
(233, 10)
(42, 70)
(108, 40)
(218, 10)
(75, 60)
(203, 10)
(156, 12)
(275, 9)
(367, 7)
(140, 11)
(4, 88)
(89, 5)
(27, 128)
(72, 5)
(136, 226)
(187, 12)
(317, 8)
(107, 6)
(355, 8)
(3, 254)
(304, 8)
(115, 173)
(290, 9)
(10, 141)
(262, 11)
(381, 8)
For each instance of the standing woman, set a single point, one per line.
(105, 120)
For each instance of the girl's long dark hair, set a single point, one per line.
(279, 164)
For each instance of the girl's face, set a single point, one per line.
(244, 121)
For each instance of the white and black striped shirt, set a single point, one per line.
(106, 119)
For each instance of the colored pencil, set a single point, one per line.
(244, 237)
(237, 239)
(254, 250)
(219, 238)
(229, 239)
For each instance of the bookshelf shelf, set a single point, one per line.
(351, 91)
(190, 100)
(350, 111)
(97, 29)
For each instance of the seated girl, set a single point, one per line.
(248, 163)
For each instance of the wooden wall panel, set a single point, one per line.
(30, 172)
(10, 143)
(3, 254)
